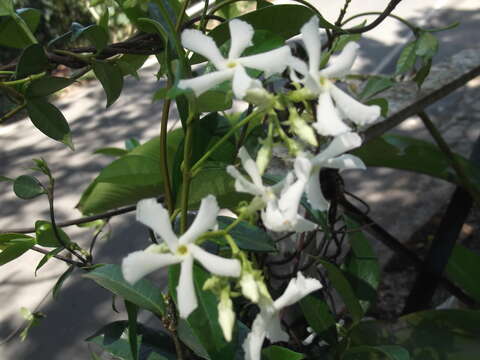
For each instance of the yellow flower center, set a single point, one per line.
(182, 250)
(231, 64)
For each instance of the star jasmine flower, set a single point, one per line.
(267, 322)
(182, 250)
(233, 67)
(319, 82)
(281, 201)
(331, 157)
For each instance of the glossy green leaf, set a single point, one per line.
(61, 280)
(204, 320)
(248, 237)
(374, 85)
(275, 352)
(433, 334)
(12, 35)
(6, 179)
(214, 100)
(94, 33)
(132, 312)
(46, 235)
(464, 269)
(6, 7)
(343, 40)
(15, 248)
(130, 63)
(401, 152)
(391, 352)
(104, 18)
(345, 290)
(111, 151)
(49, 120)
(361, 266)
(407, 58)
(427, 45)
(5, 239)
(27, 187)
(111, 78)
(143, 293)
(47, 257)
(423, 72)
(32, 61)
(131, 144)
(47, 85)
(153, 344)
(132, 170)
(320, 318)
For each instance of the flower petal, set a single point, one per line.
(297, 288)
(299, 66)
(344, 162)
(314, 192)
(354, 110)
(205, 82)
(242, 82)
(250, 167)
(242, 184)
(303, 225)
(204, 45)
(311, 39)
(241, 34)
(273, 218)
(138, 264)
(328, 121)
(339, 145)
(290, 200)
(205, 220)
(254, 340)
(273, 329)
(271, 62)
(342, 63)
(152, 214)
(186, 297)
(216, 264)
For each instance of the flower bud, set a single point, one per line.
(300, 127)
(249, 287)
(226, 315)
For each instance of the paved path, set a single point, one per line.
(83, 307)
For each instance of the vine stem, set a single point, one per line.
(186, 171)
(163, 154)
(199, 163)
(59, 257)
(12, 112)
(393, 16)
(24, 80)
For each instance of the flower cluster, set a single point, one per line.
(331, 124)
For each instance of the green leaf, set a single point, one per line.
(47, 257)
(463, 268)
(383, 103)
(133, 170)
(32, 61)
(111, 78)
(204, 320)
(407, 58)
(432, 334)
(6, 179)
(275, 352)
(392, 352)
(143, 293)
(422, 74)
(61, 280)
(46, 235)
(15, 248)
(320, 318)
(7, 238)
(248, 237)
(47, 85)
(345, 290)
(132, 312)
(427, 45)
(27, 187)
(374, 85)
(49, 120)
(361, 266)
(94, 33)
(129, 64)
(6, 7)
(343, 40)
(111, 151)
(12, 35)
(104, 18)
(402, 152)
(131, 144)
(214, 100)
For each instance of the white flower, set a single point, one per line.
(331, 157)
(182, 250)
(329, 117)
(267, 322)
(271, 62)
(281, 200)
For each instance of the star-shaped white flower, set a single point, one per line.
(241, 33)
(331, 157)
(182, 250)
(329, 116)
(281, 201)
(267, 322)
